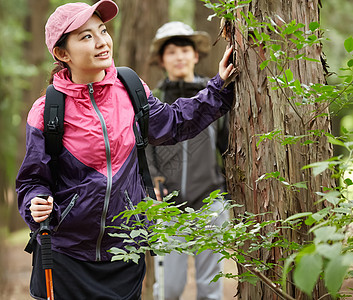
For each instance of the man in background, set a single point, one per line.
(191, 167)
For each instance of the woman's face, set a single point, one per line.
(88, 51)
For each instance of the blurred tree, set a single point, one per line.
(182, 10)
(209, 66)
(139, 23)
(335, 15)
(12, 35)
(259, 109)
(34, 56)
(14, 72)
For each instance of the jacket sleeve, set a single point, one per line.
(187, 117)
(34, 176)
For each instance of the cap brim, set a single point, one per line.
(201, 39)
(107, 10)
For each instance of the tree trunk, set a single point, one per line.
(258, 110)
(139, 23)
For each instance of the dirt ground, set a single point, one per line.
(17, 266)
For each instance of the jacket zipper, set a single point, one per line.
(131, 205)
(109, 173)
(67, 210)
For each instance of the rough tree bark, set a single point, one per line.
(257, 110)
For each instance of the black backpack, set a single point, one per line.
(54, 124)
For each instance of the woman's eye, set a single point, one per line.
(104, 30)
(87, 36)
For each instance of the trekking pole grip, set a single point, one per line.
(45, 239)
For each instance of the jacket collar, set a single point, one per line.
(63, 83)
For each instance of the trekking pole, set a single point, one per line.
(158, 183)
(47, 259)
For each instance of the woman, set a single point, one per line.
(98, 170)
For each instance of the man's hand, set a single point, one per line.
(158, 186)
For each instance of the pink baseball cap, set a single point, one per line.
(69, 17)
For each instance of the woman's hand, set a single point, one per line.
(41, 208)
(226, 69)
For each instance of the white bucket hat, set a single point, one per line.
(201, 39)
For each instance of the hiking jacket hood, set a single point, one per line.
(98, 168)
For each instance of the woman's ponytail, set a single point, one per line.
(58, 67)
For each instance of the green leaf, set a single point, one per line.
(298, 86)
(289, 75)
(318, 167)
(327, 233)
(333, 197)
(348, 44)
(329, 251)
(248, 277)
(334, 274)
(298, 216)
(310, 59)
(286, 268)
(307, 272)
(276, 47)
(350, 63)
(335, 141)
(310, 221)
(313, 26)
(214, 194)
(264, 64)
(116, 251)
(119, 235)
(136, 233)
(300, 185)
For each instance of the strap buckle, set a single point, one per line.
(141, 142)
(143, 112)
(53, 124)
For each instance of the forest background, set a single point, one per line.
(25, 64)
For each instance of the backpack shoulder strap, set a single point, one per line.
(139, 101)
(54, 111)
(138, 98)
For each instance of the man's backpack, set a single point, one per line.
(54, 123)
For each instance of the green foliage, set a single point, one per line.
(224, 9)
(168, 227)
(329, 254)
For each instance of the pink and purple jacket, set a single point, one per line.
(98, 167)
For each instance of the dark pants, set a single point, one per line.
(80, 280)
